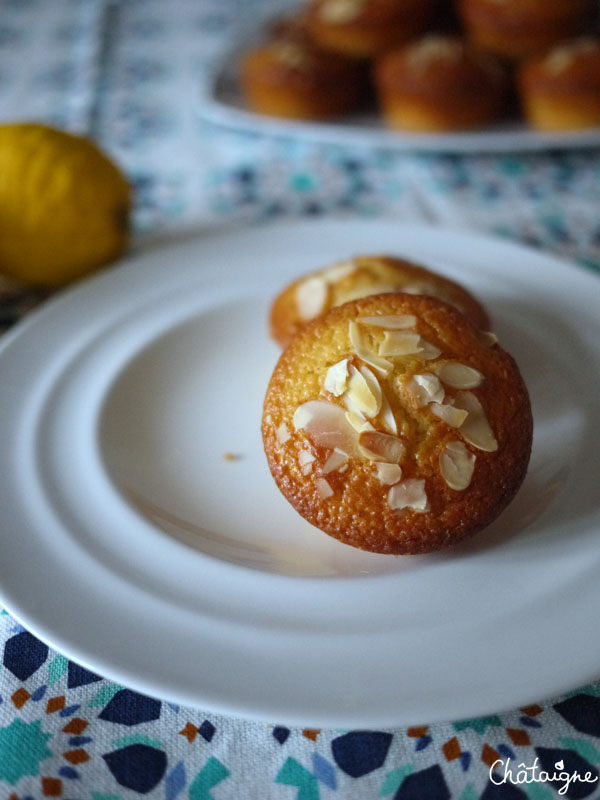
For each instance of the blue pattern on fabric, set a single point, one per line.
(359, 752)
(24, 655)
(137, 766)
(130, 708)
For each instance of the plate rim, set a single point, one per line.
(277, 229)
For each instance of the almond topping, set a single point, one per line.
(456, 465)
(388, 474)
(432, 389)
(400, 343)
(305, 457)
(373, 385)
(282, 433)
(359, 397)
(358, 422)
(387, 416)
(378, 446)
(380, 365)
(336, 272)
(449, 414)
(459, 376)
(324, 490)
(327, 426)
(476, 428)
(429, 352)
(366, 290)
(306, 469)
(392, 322)
(311, 297)
(425, 388)
(408, 494)
(339, 12)
(489, 338)
(334, 461)
(337, 378)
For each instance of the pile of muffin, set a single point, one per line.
(431, 65)
(393, 420)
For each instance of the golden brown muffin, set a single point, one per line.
(291, 77)
(367, 28)
(515, 29)
(315, 293)
(440, 83)
(561, 90)
(396, 426)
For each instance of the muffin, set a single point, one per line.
(366, 28)
(515, 29)
(291, 77)
(394, 425)
(315, 293)
(440, 83)
(561, 90)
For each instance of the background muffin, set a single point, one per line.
(366, 28)
(317, 292)
(391, 424)
(515, 29)
(440, 83)
(291, 77)
(561, 89)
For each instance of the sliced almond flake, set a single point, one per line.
(387, 416)
(429, 352)
(366, 290)
(358, 422)
(408, 494)
(335, 461)
(336, 272)
(392, 322)
(373, 385)
(282, 433)
(424, 389)
(459, 376)
(337, 378)
(359, 395)
(433, 391)
(311, 297)
(454, 417)
(340, 12)
(343, 468)
(302, 415)
(456, 465)
(400, 343)
(476, 428)
(305, 457)
(377, 446)
(327, 426)
(414, 288)
(388, 474)
(306, 469)
(380, 365)
(324, 490)
(489, 338)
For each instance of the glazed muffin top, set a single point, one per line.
(396, 426)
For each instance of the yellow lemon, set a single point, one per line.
(64, 206)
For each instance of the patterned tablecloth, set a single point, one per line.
(129, 74)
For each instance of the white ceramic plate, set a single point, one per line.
(222, 104)
(130, 544)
